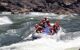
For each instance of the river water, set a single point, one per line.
(21, 26)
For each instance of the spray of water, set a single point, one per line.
(45, 43)
(3, 21)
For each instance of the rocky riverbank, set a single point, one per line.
(49, 6)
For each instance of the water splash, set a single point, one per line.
(44, 43)
(5, 20)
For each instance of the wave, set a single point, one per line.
(5, 20)
(45, 43)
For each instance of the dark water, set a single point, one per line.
(22, 25)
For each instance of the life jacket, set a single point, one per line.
(48, 23)
(42, 24)
(54, 29)
(57, 25)
(46, 30)
(39, 29)
(43, 21)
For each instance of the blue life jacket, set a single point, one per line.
(46, 29)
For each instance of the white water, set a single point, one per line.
(5, 20)
(45, 43)
(42, 14)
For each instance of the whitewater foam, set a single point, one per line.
(45, 43)
(5, 20)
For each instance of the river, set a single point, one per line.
(20, 27)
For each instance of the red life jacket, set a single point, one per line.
(48, 23)
(54, 29)
(40, 29)
(57, 25)
(42, 21)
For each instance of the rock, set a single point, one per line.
(69, 2)
(54, 6)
